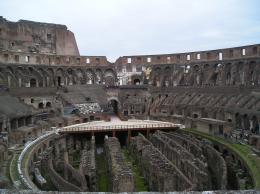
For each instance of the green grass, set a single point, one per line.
(140, 184)
(49, 186)
(14, 175)
(243, 151)
(76, 159)
(102, 173)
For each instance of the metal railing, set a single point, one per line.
(118, 127)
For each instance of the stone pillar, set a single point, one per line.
(37, 83)
(66, 160)
(9, 81)
(24, 123)
(128, 136)
(48, 81)
(147, 133)
(16, 123)
(114, 133)
(20, 82)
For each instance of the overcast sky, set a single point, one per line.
(129, 27)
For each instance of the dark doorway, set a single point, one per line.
(32, 83)
(136, 82)
(40, 105)
(114, 105)
(48, 105)
(59, 81)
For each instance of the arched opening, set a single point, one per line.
(228, 78)
(195, 116)
(246, 123)
(137, 82)
(32, 83)
(114, 106)
(255, 125)
(238, 121)
(48, 105)
(40, 105)
(59, 80)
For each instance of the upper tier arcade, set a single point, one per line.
(242, 52)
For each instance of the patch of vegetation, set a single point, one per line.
(244, 151)
(49, 186)
(140, 184)
(76, 159)
(14, 175)
(102, 176)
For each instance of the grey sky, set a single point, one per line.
(128, 27)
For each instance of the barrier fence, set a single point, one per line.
(118, 127)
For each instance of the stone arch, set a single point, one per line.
(156, 77)
(60, 77)
(240, 74)
(33, 83)
(36, 76)
(99, 76)
(166, 82)
(198, 75)
(11, 78)
(40, 105)
(136, 79)
(48, 105)
(252, 73)
(20, 74)
(72, 77)
(109, 77)
(80, 76)
(228, 78)
(245, 122)
(50, 80)
(254, 125)
(238, 121)
(114, 104)
(214, 78)
(90, 75)
(45, 75)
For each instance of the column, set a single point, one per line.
(128, 136)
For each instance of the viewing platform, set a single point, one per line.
(118, 125)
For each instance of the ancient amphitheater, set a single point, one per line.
(184, 122)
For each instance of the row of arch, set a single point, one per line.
(236, 73)
(210, 109)
(34, 76)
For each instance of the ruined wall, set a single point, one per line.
(217, 167)
(122, 179)
(88, 164)
(160, 173)
(194, 168)
(36, 37)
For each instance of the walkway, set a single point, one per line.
(117, 125)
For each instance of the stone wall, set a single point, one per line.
(29, 36)
(121, 175)
(88, 165)
(160, 173)
(191, 163)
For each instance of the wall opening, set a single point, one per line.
(48, 105)
(59, 81)
(40, 105)
(137, 82)
(32, 83)
(114, 105)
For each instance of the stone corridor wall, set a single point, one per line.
(160, 173)
(121, 175)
